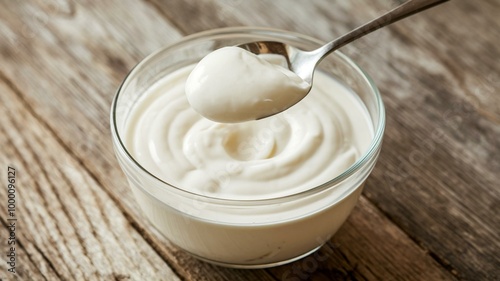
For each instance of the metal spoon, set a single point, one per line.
(303, 63)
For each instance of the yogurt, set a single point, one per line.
(233, 85)
(284, 154)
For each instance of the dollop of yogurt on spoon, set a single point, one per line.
(232, 85)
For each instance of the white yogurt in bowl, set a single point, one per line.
(251, 194)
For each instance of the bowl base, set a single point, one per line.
(259, 265)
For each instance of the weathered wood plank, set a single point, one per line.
(29, 264)
(67, 226)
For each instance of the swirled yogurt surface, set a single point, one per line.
(307, 145)
(232, 85)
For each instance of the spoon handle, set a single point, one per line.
(406, 9)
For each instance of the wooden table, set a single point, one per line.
(429, 211)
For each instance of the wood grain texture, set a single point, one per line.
(67, 227)
(428, 211)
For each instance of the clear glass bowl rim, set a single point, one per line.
(218, 32)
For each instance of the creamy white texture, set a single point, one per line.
(232, 85)
(305, 146)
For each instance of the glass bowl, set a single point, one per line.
(245, 233)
